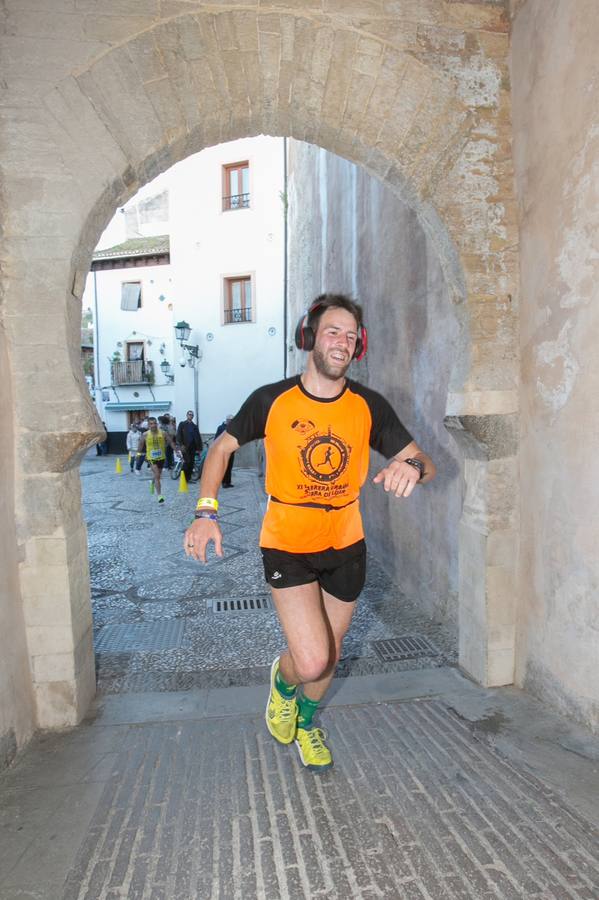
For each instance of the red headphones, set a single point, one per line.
(305, 336)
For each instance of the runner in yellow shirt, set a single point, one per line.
(153, 444)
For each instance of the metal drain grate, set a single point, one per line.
(240, 604)
(410, 646)
(165, 634)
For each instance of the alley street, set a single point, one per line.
(160, 623)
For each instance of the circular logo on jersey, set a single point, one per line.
(325, 458)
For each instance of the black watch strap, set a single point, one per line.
(417, 464)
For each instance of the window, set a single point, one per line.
(238, 300)
(131, 295)
(236, 186)
(135, 351)
(136, 417)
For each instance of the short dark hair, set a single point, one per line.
(333, 301)
(152, 419)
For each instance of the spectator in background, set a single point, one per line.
(102, 446)
(133, 439)
(226, 482)
(170, 430)
(189, 440)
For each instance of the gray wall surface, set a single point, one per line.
(16, 699)
(556, 155)
(350, 234)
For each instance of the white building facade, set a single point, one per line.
(203, 244)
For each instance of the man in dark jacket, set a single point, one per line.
(189, 440)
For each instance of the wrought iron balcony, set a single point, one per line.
(238, 315)
(236, 201)
(136, 371)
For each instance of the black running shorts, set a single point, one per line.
(340, 573)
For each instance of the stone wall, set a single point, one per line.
(96, 99)
(350, 234)
(556, 140)
(17, 712)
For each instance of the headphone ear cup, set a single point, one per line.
(361, 344)
(299, 333)
(304, 336)
(308, 338)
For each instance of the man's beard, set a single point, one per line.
(325, 369)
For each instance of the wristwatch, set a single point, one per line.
(417, 464)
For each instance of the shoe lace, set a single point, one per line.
(287, 708)
(317, 736)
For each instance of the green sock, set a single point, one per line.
(284, 689)
(306, 710)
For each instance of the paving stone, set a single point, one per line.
(215, 807)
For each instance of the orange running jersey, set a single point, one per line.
(317, 453)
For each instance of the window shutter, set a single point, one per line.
(131, 295)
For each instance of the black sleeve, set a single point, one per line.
(249, 423)
(387, 435)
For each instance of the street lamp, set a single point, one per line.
(166, 369)
(194, 355)
(182, 332)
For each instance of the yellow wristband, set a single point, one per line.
(207, 502)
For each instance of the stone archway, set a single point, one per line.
(418, 99)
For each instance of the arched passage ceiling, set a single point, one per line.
(200, 79)
(212, 77)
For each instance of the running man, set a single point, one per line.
(312, 539)
(153, 445)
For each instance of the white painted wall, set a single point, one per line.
(206, 245)
(152, 324)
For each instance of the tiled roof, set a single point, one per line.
(147, 246)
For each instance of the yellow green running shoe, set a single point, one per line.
(312, 749)
(281, 713)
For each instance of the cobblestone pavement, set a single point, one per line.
(155, 628)
(158, 797)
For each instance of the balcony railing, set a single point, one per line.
(136, 371)
(236, 201)
(238, 315)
